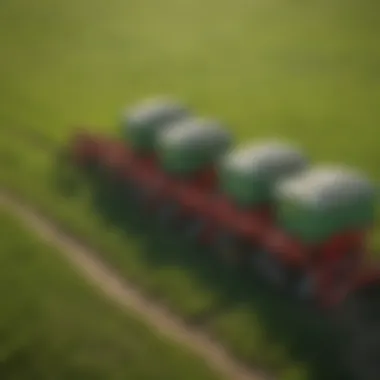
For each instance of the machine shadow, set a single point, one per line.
(309, 336)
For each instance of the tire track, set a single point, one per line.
(95, 271)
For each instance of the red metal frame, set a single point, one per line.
(198, 197)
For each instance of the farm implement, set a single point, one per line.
(302, 228)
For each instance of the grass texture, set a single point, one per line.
(303, 71)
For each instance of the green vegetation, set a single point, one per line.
(53, 325)
(306, 71)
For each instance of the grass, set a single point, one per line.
(306, 71)
(56, 326)
(257, 326)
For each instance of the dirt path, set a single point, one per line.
(125, 294)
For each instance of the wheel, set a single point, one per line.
(167, 214)
(228, 249)
(269, 269)
(359, 318)
(142, 197)
(363, 354)
(302, 287)
(193, 228)
(105, 173)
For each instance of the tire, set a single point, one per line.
(193, 229)
(358, 318)
(363, 354)
(105, 173)
(167, 214)
(228, 249)
(303, 287)
(270, 270)
(142, 197)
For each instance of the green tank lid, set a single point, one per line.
(192, 143)
(327, 187)
(142, 122)
(249, 173)
(325, 200)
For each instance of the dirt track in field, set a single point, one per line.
(87, 262)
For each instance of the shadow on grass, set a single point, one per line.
(310, 338)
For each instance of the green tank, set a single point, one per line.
(187, 146)
(323, 201)
(140, 124)
(247, 175)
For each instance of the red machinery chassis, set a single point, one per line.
(198, 198)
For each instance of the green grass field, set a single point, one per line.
(54, 326)
(304, 71)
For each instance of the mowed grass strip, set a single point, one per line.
(53, 325)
